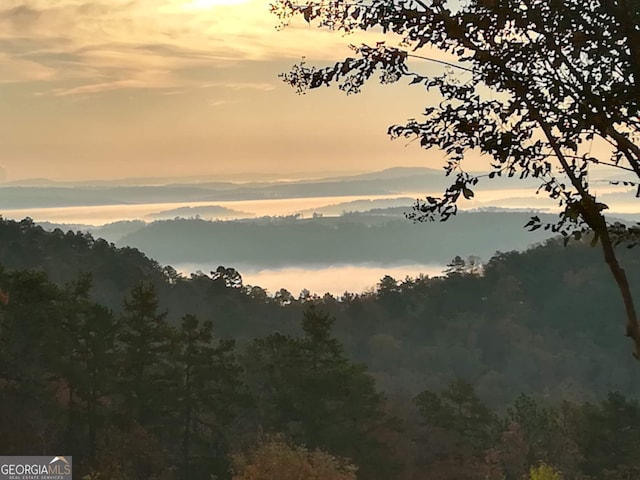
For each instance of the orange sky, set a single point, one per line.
(121, 88)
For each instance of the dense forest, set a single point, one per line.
(513, 369)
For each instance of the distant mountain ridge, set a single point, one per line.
(235, 179)
(394, 181)
(204, 211)
(390, 173)
(45, 194)
(407, 182)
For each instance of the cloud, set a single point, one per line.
(99, 87)
(20, 70)
(22, 16)
(335, 279)
(102, 45)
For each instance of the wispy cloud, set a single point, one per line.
(15, 69)
(100, 45)
(99, 87)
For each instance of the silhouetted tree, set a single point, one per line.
(535, 85)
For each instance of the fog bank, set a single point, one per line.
(335, 279)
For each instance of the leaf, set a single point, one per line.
(306, 13)
(572, 213)
(467, 193)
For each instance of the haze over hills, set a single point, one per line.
(44, 193)
(381, 236)
(206, 211)
(266, 228)
(385, 194)
(19, 199)
(239, 177)
(384, 238)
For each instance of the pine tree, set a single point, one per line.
(207, 387)
(85, 364)
(146, 346)
(307, 388)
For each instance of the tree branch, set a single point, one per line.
(594, 218)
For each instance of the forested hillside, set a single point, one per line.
(383, 236)
(142, 373)
(543, 319)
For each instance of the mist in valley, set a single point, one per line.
(277, 234)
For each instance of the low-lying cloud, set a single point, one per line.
(334, 279)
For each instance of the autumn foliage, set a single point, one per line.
(275, 458)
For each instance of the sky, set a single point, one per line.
(107, 89)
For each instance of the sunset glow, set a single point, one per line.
(113, 89)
